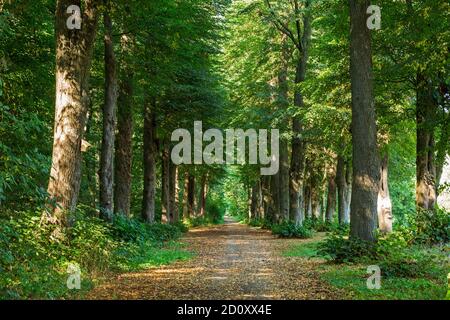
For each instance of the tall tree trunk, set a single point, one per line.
(267, 197)
(343, 188)
(174, 189)
(73, 61)
(308, 203)
(348, 191)
(366, 167)
(283, 104)
(191, 196)
(298, 146)
(165, 184)
(186, 195)
(253, 203)
(425, 168)
(109, 121)
(284, 181)
(384, 199)
(203, 195)
(275, 191)
(331, 195)
(150, 154)
(315, 198)
(124, 138)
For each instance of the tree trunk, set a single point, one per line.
(186, 196)
(165, 184)
(425, 168)
(315, 198)
(124, 138)
(331, 195)
(266, 197)
(366, 168)
(174, 189)
(275, 191)
(284, 181)
(73, 61)
(109, 121)
(150, 154)
(298, 146)
(283, 104)
(348, 191)
(384, 199)
(343, 191)
(203, 195)
(308, 204)
(191, 196)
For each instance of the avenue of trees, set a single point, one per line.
(87, 113)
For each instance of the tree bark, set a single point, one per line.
(331, 195)
(150, 154)
(275, 191)
(186, 195)
(109, 121)
(165, 184)
(384, 199)
(366, 168)
(425, 168)
(203, 195)
(191, 196)
(124, 138)
(342, 188)
(266, 197)
(73, 61)
(284, 181)
(174, 189)
(298, 145)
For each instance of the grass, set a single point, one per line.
(352, 278)
(33, 266)
(151, 256)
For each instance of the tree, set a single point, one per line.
(73, 60)
(366, 172)
(109, 120)
(150, 153)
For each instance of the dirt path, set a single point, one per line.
(232, 261)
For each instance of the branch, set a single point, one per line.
(282, 27)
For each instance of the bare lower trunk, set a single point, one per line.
(331, 196)
(266, 197)
(150, 154)
(275, 191)
(73, 60)
(203, 195)
(366, 170)
(185, 196)
(308, 203)
(191, 196)
(174, 189)
(165, 185)
(284, 181)
(384, 199)
(124, 149)
(109, 122)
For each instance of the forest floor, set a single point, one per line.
(232, 261)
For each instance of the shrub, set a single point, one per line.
(342, 250)
(431, 226)
(320, 225)
(34, 266)
(290, 230)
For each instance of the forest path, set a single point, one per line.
(233, 261)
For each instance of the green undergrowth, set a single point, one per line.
(413, 261)
(35, 266)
